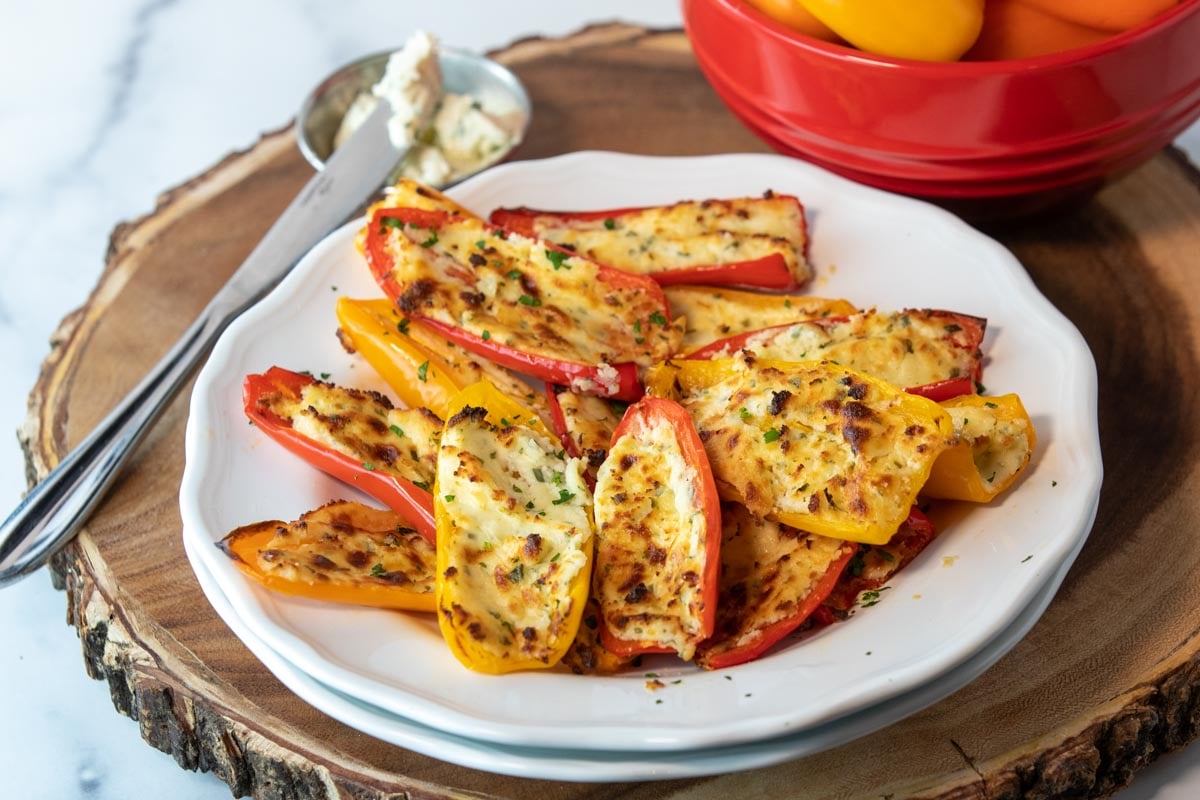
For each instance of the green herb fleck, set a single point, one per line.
(423, 371)
(432, 240)
(952, 328)
(487, 335)
(396, 429)
(392, 222)
(449, 498)
(771, 435)
(402, 326)
(744, 414)
(529, 506)
(513, 274)
(610, 223)
(526, 300)
(421, 485)
(481, 244)
(378, 571)
(658, 319)
(557, 259)
(368, 466)
(990, 404)
(325, 375)
(537, 473)
(1026, 558)
(563, 497)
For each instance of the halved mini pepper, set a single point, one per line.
(658, 534)
(713, 312)
(525, 304)
(935, 354)
(420, 366)
(773, 577)
(757, 242)
(342, 552)
(353, 435)
(874, 565)
(994, 439)
(514, 543)
(813, 445)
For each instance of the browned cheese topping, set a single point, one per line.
(364, 426)
(688, 234)
(767, 571)
(650, 541)
(906, 349)
(516, 292)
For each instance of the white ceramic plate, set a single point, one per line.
(868, 246)
(609, 765)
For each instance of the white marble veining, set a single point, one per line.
(103, 106)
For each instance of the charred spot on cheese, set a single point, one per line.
(651, 536)
(362, 425)
(570, 313)
(510, 546)
(715, 313)
(767, 571)
(906, 348)
(686, 234)
(342, 544)
(841, 452)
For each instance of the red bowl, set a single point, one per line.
(985, 137)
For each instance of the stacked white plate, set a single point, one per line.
(962, 604)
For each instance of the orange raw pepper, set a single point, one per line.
(1109, 15)
(1016, 29)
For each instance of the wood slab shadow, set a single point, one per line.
(1103, 684)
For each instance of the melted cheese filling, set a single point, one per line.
(713, 313)
(999, 446)
(813, 442)
(650, 540)
(688, 234)
(767, 571)
(515, 292)
(517, 534)
(590, 423)
(348, 544)
(906, 349)
(365, 427)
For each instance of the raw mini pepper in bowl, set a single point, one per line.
(987, 137)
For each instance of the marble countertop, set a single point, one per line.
(105, 107)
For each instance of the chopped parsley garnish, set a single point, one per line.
(526, 300)
(487, 335)
(421, 485)
(396, 429)
(325, 375)
(990, 404)
(871, 597)
(610, 223)
(557, 478)
(378, 571)
(423, 371)
(448, 498)
(952, 328)
(368, 466)
(658, 319)
(1026, 558)
(563, 497)
(771, 435)
(557, 259)
(402, 326)
(743, 413)
(529, 506)
(537, 473)
(481, 244)
(513, 274)
(432, 240)
(392, 222)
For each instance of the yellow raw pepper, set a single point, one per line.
(421, 367)
(923, 30)
(993, 442)
(514, 536)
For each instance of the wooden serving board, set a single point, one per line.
(1106, 682)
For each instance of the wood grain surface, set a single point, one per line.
(1104, 683)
